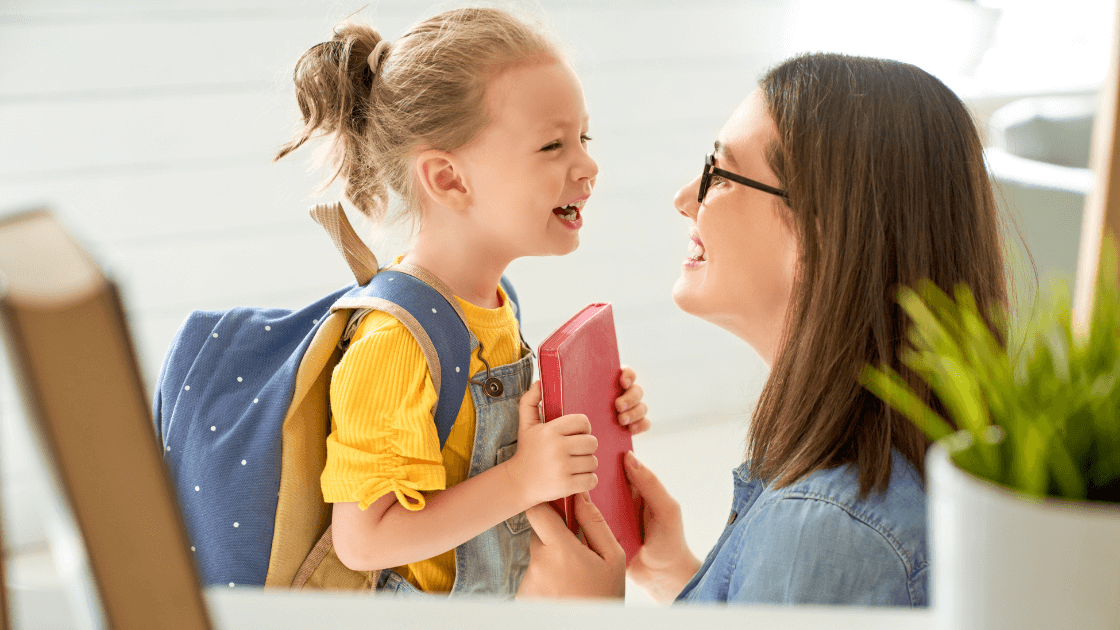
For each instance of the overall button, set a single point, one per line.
(493, 387)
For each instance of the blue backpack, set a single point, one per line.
(242, 412)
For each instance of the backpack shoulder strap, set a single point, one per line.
(438, 324)
(358, 256)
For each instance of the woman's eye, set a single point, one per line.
(716, 180)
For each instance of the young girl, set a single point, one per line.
(478, 123)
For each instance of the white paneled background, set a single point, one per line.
(149, 126)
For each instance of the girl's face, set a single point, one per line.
(743, 256)
(529, 169)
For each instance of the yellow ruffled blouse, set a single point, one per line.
(383, 437)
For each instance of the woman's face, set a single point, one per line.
(742, 255)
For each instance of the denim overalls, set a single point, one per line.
(492, 563)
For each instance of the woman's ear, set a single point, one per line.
(442, 179)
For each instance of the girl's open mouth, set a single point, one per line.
(570, 213)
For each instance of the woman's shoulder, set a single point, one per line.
(830, 498)
(815, 541)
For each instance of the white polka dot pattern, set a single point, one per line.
(242, 385)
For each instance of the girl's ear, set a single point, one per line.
(442, 179)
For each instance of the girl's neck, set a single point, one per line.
(471, 272)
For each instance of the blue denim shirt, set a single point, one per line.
(816, 542)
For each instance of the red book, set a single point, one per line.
(579, 374)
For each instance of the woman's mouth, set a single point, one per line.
(696, 251)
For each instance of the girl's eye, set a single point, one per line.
(553, 146)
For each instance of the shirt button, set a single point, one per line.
(732, 519)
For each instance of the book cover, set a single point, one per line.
(579, 374)
(73, 356)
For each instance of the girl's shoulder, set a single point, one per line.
(375, 322)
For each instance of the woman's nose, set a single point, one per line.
(685, 201)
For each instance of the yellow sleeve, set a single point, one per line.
(383, 438)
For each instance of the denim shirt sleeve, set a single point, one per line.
(810, 550)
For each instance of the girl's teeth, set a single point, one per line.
(569, 213)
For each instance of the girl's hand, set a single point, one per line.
(664, 564)
(554, 459)
(561, 566)
(631, 409)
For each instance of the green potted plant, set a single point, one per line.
(1024, 477)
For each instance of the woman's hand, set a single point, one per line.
(554, 459)
(664, 564)
(561, 566)
(631, 409)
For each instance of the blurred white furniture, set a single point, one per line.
(1038, 158)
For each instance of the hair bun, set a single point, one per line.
(377, 56)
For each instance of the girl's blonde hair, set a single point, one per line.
(426, 90)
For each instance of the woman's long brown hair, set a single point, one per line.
(887, 186)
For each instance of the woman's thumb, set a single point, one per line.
(644, 482)
(598, 534)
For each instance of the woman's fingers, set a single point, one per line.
(598, 534)
(649, 487)
(547, 524)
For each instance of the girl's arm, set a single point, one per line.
(553, 460)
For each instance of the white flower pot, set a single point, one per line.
(1004, 560)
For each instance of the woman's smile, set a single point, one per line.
(696, 252)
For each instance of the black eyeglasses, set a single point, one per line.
(711, 169)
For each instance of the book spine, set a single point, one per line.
(551, 383)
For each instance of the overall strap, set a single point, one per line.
(507, 286)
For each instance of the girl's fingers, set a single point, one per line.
(584, 482)
(583, 464)
(637, 413)
(626, 377)
(638, 426)
(572, 424)
(628, 399)
(582, 444)
(528, 413)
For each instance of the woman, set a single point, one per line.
(836, 182)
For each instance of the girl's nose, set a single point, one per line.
(585, 168)
(685, 201)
